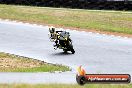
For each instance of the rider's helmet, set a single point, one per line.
(52, 29)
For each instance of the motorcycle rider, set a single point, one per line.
(57, 35)
(62, 40)
(54, 35)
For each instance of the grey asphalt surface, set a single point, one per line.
(97, 53)
(37, 78)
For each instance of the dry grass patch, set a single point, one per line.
(18, 63)
(66, 86)
(14, 63)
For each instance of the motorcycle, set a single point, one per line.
(62, 41)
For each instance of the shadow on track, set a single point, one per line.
(62, 54)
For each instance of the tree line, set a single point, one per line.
(80, 4)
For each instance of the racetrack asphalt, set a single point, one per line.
(97, 53)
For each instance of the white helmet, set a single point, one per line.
(52, 29)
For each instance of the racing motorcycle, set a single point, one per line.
(62, 40)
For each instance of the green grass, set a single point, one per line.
(116, 21)
(42, 68)
(65, 86)
(10, 63)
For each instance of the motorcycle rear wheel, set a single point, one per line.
(73, 51)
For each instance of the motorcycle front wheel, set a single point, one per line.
(65, 51)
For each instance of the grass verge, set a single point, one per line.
(14, 63)
(65, 86)
(114, 21)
